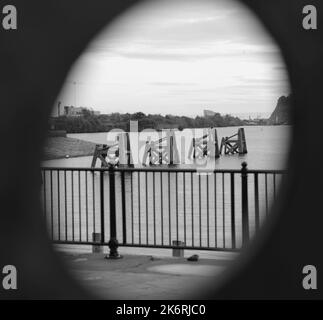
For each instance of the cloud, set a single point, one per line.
(167, 56)
(174, 30)
(222, 49)
(172, 84)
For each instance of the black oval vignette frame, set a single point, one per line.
(34, 61)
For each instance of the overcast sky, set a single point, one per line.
(180, 57)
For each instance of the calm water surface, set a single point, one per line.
(267, 147)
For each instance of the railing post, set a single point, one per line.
(113, 242)
(245, 211)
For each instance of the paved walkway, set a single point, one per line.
(143, 276)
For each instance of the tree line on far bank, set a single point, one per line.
(89, 122)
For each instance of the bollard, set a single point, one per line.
(245, 211)
(113, 242)
(178, 252)
(96, 248)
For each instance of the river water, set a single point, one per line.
(267, 147)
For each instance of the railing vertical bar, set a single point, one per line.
(102, 217)
(86, 206)
(147, 219)
(192, 208)
(65, 197)
(207, 211)
(184, 205)
(215, 213)
(80, 207)
(233, 222)
(223, 209)
(154, 207)
(94, 209)
(256, 201)
(123, 203)
(59, 205)
(176, 194)
(93, 198)
(72, 192)
(139, 214)
(200, 211)
(132, 220)
(169, 213)
(51, 205)
(162, 208)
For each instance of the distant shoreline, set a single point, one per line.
(198, 128)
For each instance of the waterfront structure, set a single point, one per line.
(162, 151)
(116, 154)
(235, 143)
(207, 145)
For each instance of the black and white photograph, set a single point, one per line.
(161, 151)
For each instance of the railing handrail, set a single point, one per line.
(164, 169)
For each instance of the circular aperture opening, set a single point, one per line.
(168, 144)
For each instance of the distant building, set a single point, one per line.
(70, 111)
(208, 113)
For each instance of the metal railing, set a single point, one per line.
(160, 207)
